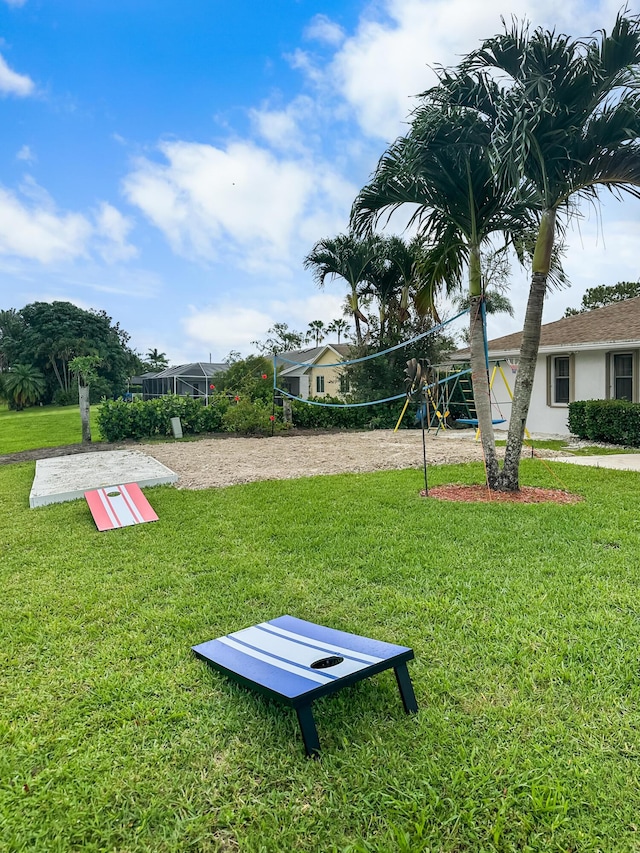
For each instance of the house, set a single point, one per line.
(312, 375)
(192, 380)
(590, 356)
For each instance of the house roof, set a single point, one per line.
(309, 357)
(195, 370)
(617, 324)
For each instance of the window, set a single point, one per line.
(344, 384)
(623, 376)
(561, 379)
(319, 384)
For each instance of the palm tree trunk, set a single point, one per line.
(356, 315)
(83, 395)
(479, 368)
(481, 393)
(509, 480)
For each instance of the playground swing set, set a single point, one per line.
(450, 398)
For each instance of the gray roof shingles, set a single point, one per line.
(615, 323)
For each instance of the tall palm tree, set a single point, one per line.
(338, 327)
(441, 168)
(347, 257)
(24, 385)
(566, 119)
(157, 360)
(316, 332)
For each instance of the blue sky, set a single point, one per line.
(173, 162)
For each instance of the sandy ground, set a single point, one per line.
(226, 461)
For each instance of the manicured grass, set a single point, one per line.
(43, 426)
(524, 618)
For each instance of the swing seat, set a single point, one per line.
(474, 421)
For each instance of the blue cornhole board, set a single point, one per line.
(295, 662)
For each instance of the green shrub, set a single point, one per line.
(611, 421)
(382, 416)
(118, 420)
(66, 398)
(247, 418)
(577, 418)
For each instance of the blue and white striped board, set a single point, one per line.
(277, 656)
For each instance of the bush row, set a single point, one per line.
(381, 416)
(611, 421)
(118, 420)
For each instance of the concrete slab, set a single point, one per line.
(66, 478)
(615, 461)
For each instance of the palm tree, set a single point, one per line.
(441, 168)
(567, 124)
(316, 332)
(345, 257)
(157, 360)
(85, 369)
(24, 385)
(338, 327)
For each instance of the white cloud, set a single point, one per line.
(387, 61)
(318, 306)
(112, 227)
(33, 229)
(26, 154)
(39, 233)
(241, 201)
(287, 129)
(225, 327)
(325, 30)
(12, 83)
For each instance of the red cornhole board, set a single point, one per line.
(119, 506)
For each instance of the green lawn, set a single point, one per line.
(43, 426)
(525, 621)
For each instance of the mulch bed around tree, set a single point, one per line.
(481, 494)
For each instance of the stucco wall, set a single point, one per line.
(589, 383)
(331, 376)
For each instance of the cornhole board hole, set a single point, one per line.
(294, 662)
(119, 506)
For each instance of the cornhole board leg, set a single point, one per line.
(309, 731)
(296, 662)
(119, 506)
(406, 689)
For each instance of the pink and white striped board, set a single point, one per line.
(119, 506)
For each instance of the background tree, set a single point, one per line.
(347, 257)
(24, 385)
(249, 378)
(156, 360)
(316, 332)
(11, 328)
(85, 369)
(57, 332)
(281, 339)
(598, 297)
(339, 327)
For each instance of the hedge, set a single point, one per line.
(610, 421)
(119, 420)
(380, 416)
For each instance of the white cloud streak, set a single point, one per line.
(33, 229)
(12, 83)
